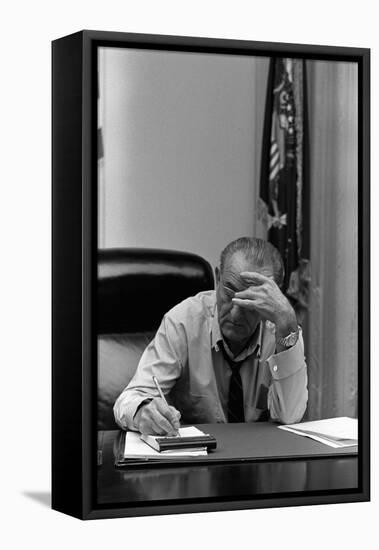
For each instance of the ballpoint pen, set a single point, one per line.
(155, 380)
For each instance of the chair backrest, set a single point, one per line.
(136, 287)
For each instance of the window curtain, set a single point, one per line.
(332, 355)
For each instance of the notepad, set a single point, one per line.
(189, 438)
(136, 448)
(335, 432)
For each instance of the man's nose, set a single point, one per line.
(236, 312)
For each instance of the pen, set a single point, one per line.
(155, 380)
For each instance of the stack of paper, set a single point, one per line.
(136, 448)
(335, 432)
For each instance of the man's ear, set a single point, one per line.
(217, 273)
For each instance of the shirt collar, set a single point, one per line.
(255, 344)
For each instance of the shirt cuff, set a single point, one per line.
(287, 362)
(124, 412)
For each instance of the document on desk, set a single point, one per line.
(335, 432)
(136, 448)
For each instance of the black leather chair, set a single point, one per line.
(136, 287)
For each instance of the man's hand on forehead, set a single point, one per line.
(246, 279)
(262, 295)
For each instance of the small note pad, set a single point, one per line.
(136, 448)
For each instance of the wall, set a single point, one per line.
(182, 136)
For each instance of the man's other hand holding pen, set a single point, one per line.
(157, 417)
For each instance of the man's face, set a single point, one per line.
(237, 324)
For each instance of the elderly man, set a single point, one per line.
(234, 354)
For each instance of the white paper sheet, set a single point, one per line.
(335, 432)
(136, 448)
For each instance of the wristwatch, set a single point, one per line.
(289, 340)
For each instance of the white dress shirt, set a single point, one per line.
(194, 375)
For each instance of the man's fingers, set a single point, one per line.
(246, 304)
(175, 412)
(148, 427)
(162, 406)
(163, 425)
(168, 412)
(175, 417)
(171, 415)
(248, 294)
(254, 277)
(158, 418)
(153, 422)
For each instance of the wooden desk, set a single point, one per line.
(320, 468)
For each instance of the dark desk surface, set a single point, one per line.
(282, 463)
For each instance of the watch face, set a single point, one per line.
(291, 339)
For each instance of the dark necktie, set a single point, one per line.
(235, 403)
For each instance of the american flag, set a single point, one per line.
(284, 186)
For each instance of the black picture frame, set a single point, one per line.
(74, 269)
